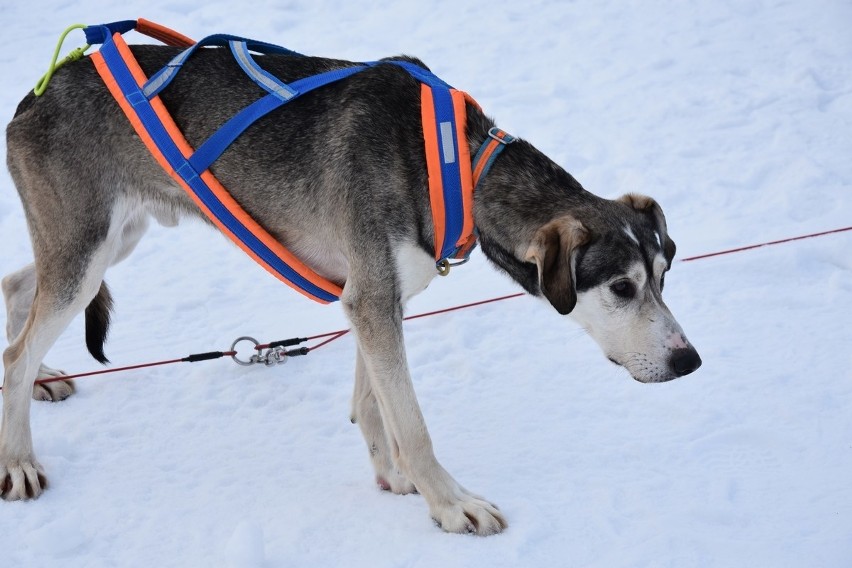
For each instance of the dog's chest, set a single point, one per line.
(415, 269)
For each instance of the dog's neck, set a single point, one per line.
(508, 207)
(524, 273)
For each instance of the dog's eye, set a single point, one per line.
(623, 289)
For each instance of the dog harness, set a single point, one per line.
(452, 174)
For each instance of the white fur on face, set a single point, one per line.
(638, 333)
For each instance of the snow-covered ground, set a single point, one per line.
(736, 115)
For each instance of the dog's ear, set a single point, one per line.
(651, 208)
(552, 250)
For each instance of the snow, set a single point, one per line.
(736, 115)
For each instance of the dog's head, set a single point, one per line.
(607, 272)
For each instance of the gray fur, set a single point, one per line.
(339, 177)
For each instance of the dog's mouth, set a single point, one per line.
(645, 372)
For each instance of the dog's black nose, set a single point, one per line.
(684, 361)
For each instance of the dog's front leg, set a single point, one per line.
(376, 316)
(366, 413)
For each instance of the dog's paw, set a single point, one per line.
(469, 514)
(21, 479)
(53, 391)
(395, 482)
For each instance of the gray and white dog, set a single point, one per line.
(339, 177)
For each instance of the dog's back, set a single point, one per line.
(349, 142)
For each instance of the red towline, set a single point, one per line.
(750, 247)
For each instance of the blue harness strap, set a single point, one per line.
(161, 79)
(452, 174)
(213, 147)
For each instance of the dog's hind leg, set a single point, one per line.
(373, 305)
(19, 291)
(65, 286)
(365, 412)
(74, 243)
(21, 476)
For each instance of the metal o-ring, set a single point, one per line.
(236, 359)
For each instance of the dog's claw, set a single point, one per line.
(22, 481)
(471, 527)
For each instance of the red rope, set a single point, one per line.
(103, 371)
(341, 332)
(127, 368)
(751, 247)
(463, 306)
(333, 335)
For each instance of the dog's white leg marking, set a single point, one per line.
(19, 292)
(373, 305)
(414, 276)
(21, 476)
(55, 302)
(365, 412)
